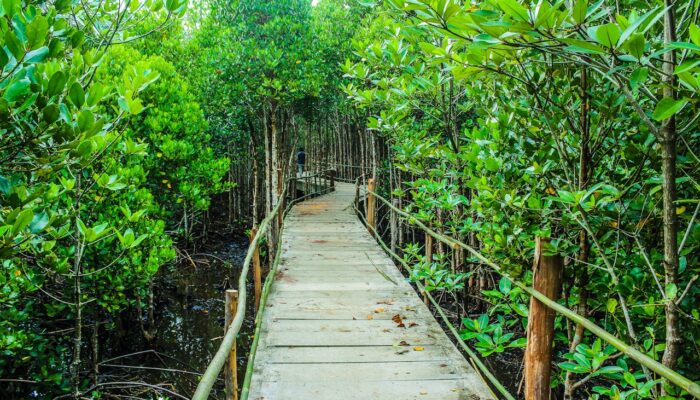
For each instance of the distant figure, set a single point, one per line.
(301, 161)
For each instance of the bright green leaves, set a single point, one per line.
(514, 9)
(638, 77)
(129, 240)
(94, 233)
(579, 12)
(37, 31)
(668, 107)
(56, 83)
(607, 35)
(17, 90)
(582, 46)
(10, 7)
(21, 221)
(39, 222)
(130, 106)
(76, 94)
(111, 182)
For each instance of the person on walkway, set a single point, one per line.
(301, 161)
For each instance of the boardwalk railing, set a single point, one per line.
(222, 354)
(672, 376)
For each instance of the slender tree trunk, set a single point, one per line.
(668, 143)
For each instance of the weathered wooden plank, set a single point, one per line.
(454, 389)
(361, 371)
(355, 354)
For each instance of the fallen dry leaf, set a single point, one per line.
(403, 343)
(379, 310)
(419, 348)
(423, 392)
(387, 302)
(412, 324)
(399, 322)
(370, 316)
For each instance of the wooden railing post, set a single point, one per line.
(230, 372)
(429, 260)
(393, 224)
(371, 200)
(547, 279)
(257, 272)
(280, 211)
(332, 173)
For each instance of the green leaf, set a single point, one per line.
(611, 305)
(668, 107)
(579, 11)
(39, 222)
(36, 56)
(504, 285)
(573, 367)
(37, 31)
(57, 83)
(630, 379)
(684, 46)
(671, 291)
(5, 185)
(23, 219)
(686, 66)
(581, 46)
(638, 77)
(514, 9)
(76, 94)
(17, 90)
(634, 26)
(607, 35)
(636, 46)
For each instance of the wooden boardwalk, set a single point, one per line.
(342, 323)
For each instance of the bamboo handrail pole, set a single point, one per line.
(219, 359)
(671, 375)
(494, 381)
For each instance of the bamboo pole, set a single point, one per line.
(393, 223)
(669, 374)
(280, 199)
(230, 373)
(429, 260)
(371, 203)
(257, 270)
(547, 279)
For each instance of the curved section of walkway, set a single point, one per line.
(342, 323)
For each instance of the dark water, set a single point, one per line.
(189, 314)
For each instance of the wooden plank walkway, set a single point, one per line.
(329, 329)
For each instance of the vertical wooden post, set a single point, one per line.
(371, 200)
(257, 271)
(280, 210)
(230, 371)
(333, 179)
(429, 260)
(393, 224)
(547, 279)
(357, 196)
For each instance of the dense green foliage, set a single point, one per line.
(103, 151)
(573, 121)
(127, 129)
